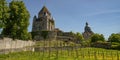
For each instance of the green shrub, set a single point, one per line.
(115, 47)
(100, 44)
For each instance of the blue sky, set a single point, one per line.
(103, 16)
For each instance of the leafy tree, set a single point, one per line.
(4, 15)
(114, 38)
(79, 36)
(97, 37)
(14, 30)
(72, 33)
(19, 21)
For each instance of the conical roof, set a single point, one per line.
(86, 23)
(44, 9)
(87, 28)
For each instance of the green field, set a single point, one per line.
(68, 54)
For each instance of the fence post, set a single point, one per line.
(68, 49)
(117, 55)
(89, 54)
(76, 51)
(49, 49)
(111, 55)
(95, 55)
(103, 55)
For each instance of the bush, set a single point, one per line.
(115, 47)
(97, 37)
(100, 44)
(114, 38)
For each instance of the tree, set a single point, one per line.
(97, 37)
(72, 33)
(4, 15)
(114, 38)
(19, 21)
(79, 37)
(14, 30)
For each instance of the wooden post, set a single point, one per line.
(117, 55)
(95, 55)
(103, 55)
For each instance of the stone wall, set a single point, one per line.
(8, 43)
(38, 35)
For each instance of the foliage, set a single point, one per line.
(72, 33)
(4, 15)
(14, 30)
(86, 43)
(18, 22)
(115, 45)
(79, 37)
(114, 38)
(97, 37)
(100, 44)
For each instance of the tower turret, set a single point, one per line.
(87, 32)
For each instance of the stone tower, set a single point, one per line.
(87, 32)
(44, 21)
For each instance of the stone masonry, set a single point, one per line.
(87, 32)
(44, 21)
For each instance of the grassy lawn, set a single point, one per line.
(76, 54)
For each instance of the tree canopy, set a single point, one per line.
(114, 38)
(18, 22)
(97, 37)
(4, 15)
(79, 36)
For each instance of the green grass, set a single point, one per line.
(79, 54)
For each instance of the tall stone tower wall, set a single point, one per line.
(44, 22)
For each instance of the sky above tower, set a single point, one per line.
(103, 16)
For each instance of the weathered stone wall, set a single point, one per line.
(38, 35)
(8, 43)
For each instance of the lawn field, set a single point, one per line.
(68, 54)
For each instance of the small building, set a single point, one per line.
(87, 32)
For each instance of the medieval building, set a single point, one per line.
(87, 32)
(44, 24)
(44, 21)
